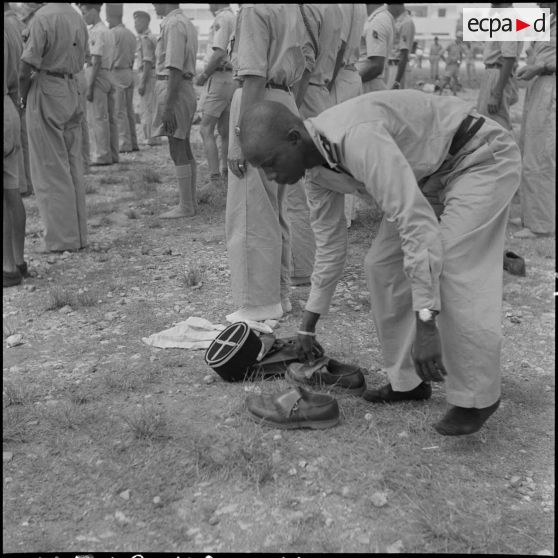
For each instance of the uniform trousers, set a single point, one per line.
(85, 144)
(147, 106)
(25, 184)
(347, 85)
(54, 129)
(101, 115)
(124, 106)
(376, 84)
(538, 147)
(434, 67)
(487, 84)
(471, 194)
(257, 224)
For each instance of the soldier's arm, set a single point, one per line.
(505, 73)
(371, 68)
(403, 59)
(338, 63)
(25, 70)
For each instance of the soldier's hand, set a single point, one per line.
(168, 119)
(89, 95)
(308, 349)
(141, 90)
(494, 102)
(427, 352)
(238, 167)
(528, 72)
(201, 79)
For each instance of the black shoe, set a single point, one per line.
(385, 394)
(11, 278)
(514, 264)
(23, 269)
(459, 421)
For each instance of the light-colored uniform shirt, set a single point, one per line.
(377, 39)
(101, 43)
(495, 51)
(454, 53)
(67, 53)
(404, 35)
(177, 45)
(379, 139)
(270, 42)
(124, 47)
(325, 20)
(220, 34)
(146, 48)
(13, 47)
(435, 49)
(545, 52)
(354, 16)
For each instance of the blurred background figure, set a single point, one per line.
(470, 63)
(123, 77)
(538, 138)
(146, 68)
(434, 58)
(402, 45)
(452, 55)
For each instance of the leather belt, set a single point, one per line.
(122, 67)
(465, 132)
(490, 66)
(223, 69)
(393, 62)
(278, 86)
(59, 74)
(162, 77)
(349, 67)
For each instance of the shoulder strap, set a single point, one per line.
(309, 29)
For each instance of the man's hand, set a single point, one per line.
(201, 79)
(494, 101)
(89, 95)
(427, 352)
(141, 90)
(308, 349)
(396, 85)
(237, 166)
(168, 119)
(528, 72)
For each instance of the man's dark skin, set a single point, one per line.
(276, 140)
(141, 25)
(403, 53)
(373, 66)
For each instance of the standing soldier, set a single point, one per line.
(100, 88)
(469, 62)
(453, 55)
(346, 83)
(218, 89)
(13, 236)
(55, 51)
(146, 61)
(434, 57)
(497, 88)
(323, 42)
(176, 100)
(269, 50)
(404, 39)
(123, 77)
(538, 138)
(376, 44)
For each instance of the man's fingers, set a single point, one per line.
(237, 167)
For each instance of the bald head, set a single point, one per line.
(265, 126)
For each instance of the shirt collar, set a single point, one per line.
(316, 138)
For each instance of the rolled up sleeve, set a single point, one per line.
(176, 46)
(373, 157)
(253, 43)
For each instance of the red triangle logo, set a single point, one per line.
(519, 25)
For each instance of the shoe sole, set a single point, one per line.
(314, 425)
(340, 389)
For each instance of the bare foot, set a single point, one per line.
(177, 212)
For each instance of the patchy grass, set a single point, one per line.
(9, 327)
(14, 424)
(149, 423)
(192, 276)
(111, 179)
(58, 297)
(16, 394)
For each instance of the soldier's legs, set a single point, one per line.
(131, 115)
(99, 127)
(113, 124)
(487, 84)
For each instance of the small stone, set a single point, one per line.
(515, 481)
(277, 437)
(395, 548)
(231, 508)
(110, 316)
(65, 309)
(213, 520)
(328, 522)
(403, 434)
(302, 464)
(121, 518)
(209, 379)
(14, 340)
(368, 416)
(125, 495)
(363, 539)
(292, 471)
(345, 491)
(276, 458)
(7, 456)
(378, 499)
(30, 288)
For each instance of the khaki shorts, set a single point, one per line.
(452, 70)
(184, 108)
(217, 94)
(12, 145)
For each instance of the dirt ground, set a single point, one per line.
(112, 445)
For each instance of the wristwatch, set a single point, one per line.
(426, 315)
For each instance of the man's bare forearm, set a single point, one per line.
(300, 87)
(372, 68)
(215, 61)
(24, 81)
(146, 72)
(252, 92)
(505, 73)
(404, 58)
(96, 66)
(338, 61)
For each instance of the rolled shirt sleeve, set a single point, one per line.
(35, 45)
(175, 52)
(253, 43)
(147, 49)
(378, 39)
(223, 33)
(407, 35)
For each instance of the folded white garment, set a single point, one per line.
(193, 333)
